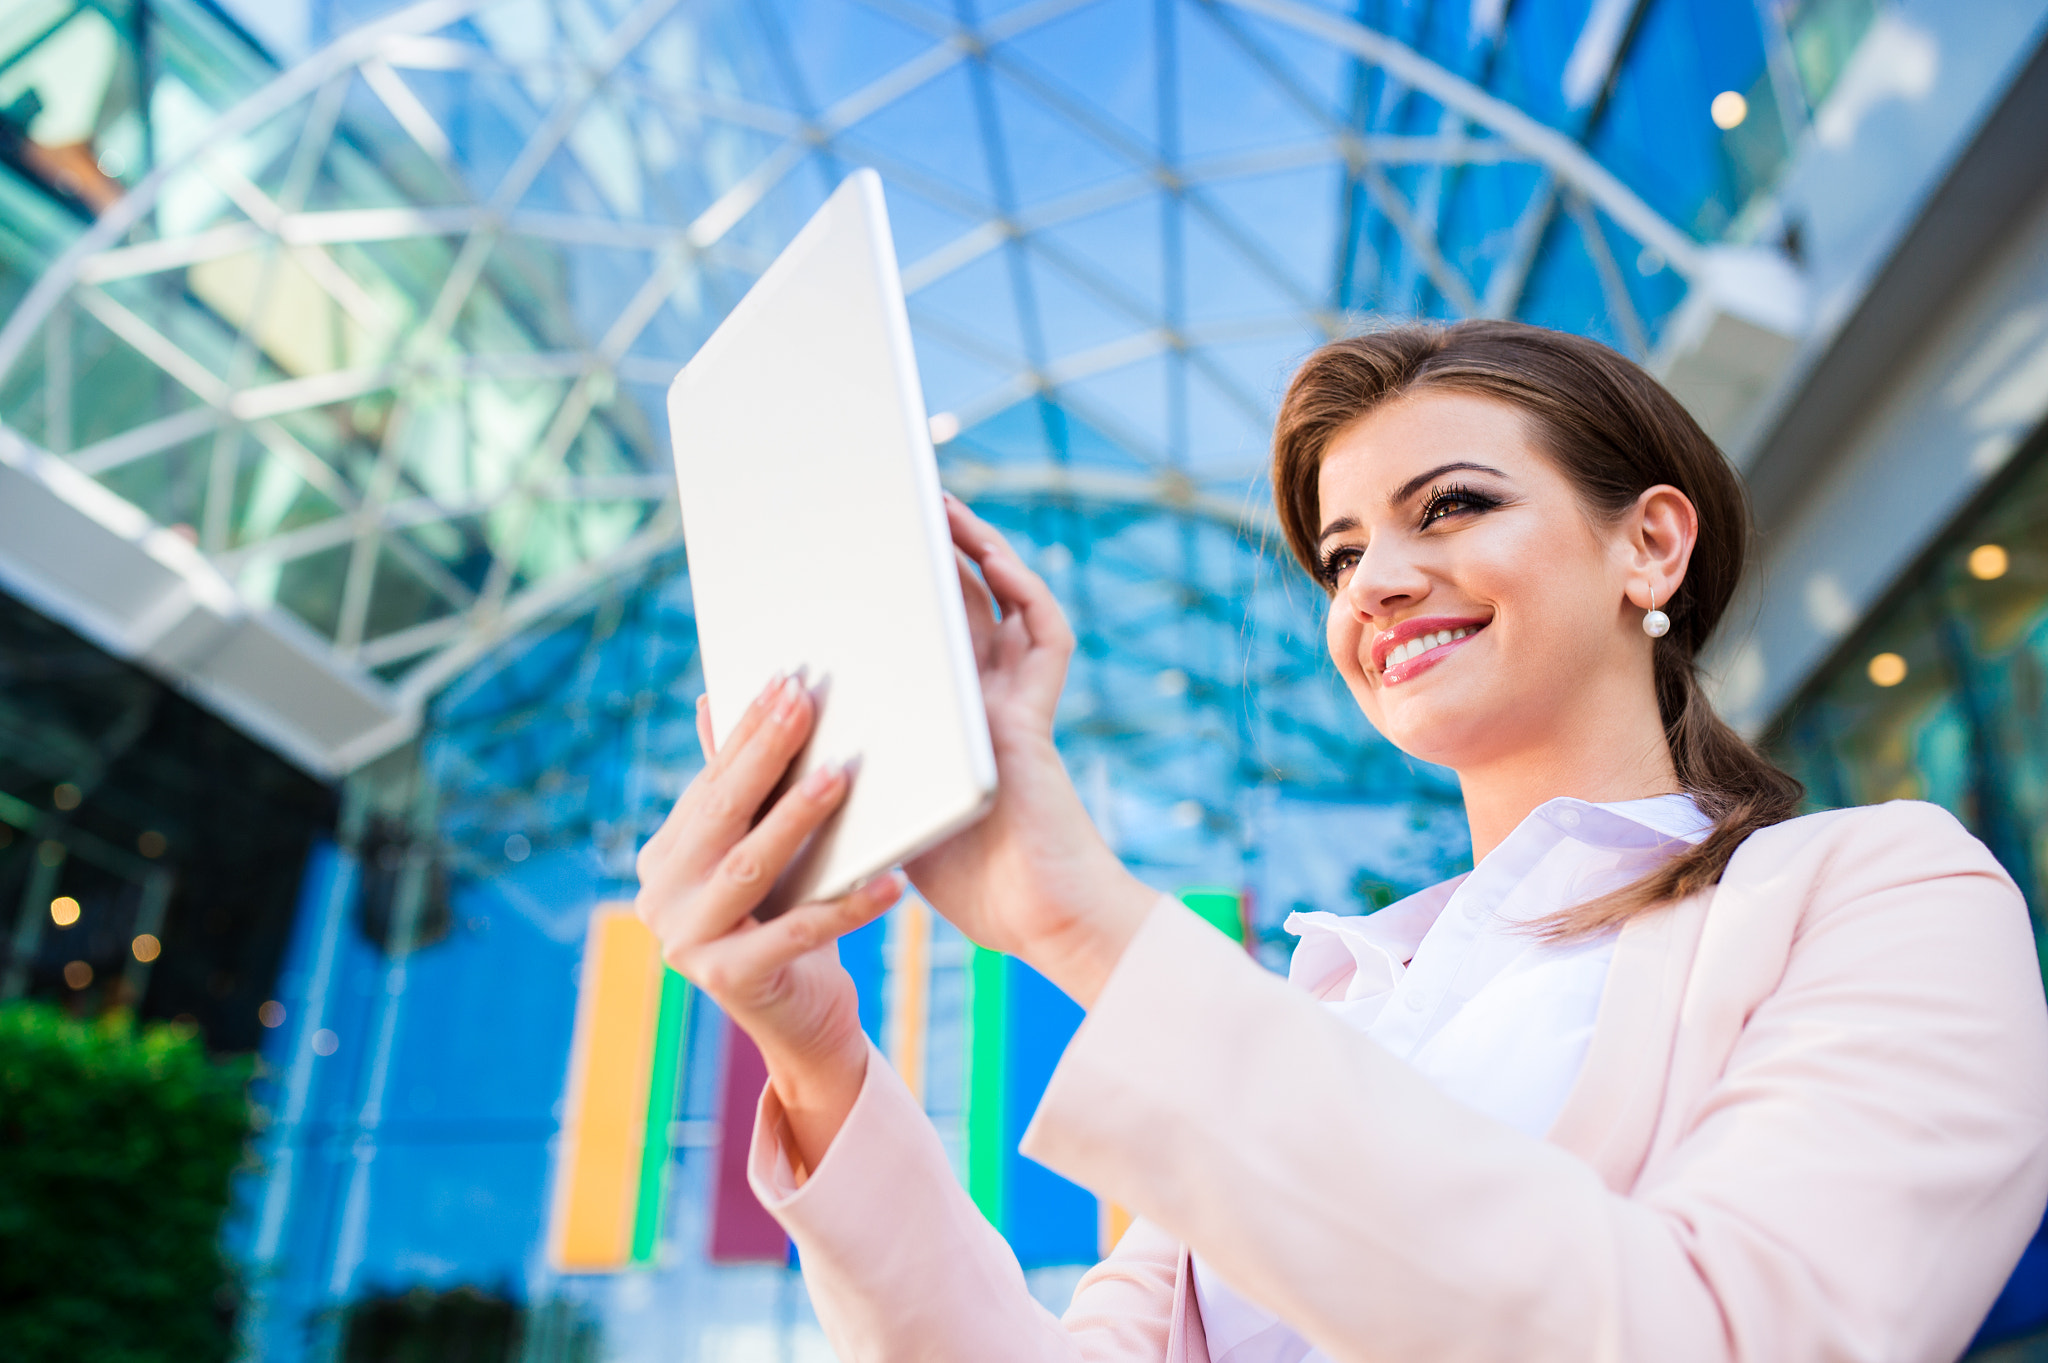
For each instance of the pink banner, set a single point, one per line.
(742, 1231)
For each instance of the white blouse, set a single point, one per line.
(1451, 981)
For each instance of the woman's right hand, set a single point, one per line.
(707, 869)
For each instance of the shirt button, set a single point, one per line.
(1568, 817)
(1415, 1003)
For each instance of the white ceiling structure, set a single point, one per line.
(363, 374)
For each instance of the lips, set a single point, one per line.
(1413, 646)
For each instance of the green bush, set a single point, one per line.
(116, 1147)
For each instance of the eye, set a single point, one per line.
(1453, 501)
(1336, 564)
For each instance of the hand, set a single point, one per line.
(705, 871)
(1034, 878)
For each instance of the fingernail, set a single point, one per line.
(819, 781)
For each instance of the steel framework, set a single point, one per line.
(363, 378)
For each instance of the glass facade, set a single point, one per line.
(147, 848)
(1942, 695)
(377, 321)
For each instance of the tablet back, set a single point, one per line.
(817, 542)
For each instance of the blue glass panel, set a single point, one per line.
(1046, 1219)
(860, 951)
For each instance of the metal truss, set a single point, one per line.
(368, 379)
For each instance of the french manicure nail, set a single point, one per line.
(819, 781)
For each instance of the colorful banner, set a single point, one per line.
(1225, 910)
(625, 1075)
(908, 1015)
(742, 1231)
(1019, 1024)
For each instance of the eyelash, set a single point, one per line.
(1440, 497)
(1439, 504)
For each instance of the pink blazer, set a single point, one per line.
(1813, 1124)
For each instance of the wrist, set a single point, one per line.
(1081, 959)
(817, 1088)
(811, 1075)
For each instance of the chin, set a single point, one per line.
(1447, 725)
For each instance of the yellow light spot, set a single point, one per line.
(78, 974)
(65, 796)
(146, 948)
(63, 911)
(1988, 561)
(271, 1014)
(1728, 110)
(1887, 669)
(152, 844)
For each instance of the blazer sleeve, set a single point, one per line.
(901, 1265)
(1852, 1183)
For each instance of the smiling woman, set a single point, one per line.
(1669, 1075)
(1598, 499)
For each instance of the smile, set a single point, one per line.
(1415, 646)
(1422, 644)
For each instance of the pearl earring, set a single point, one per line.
(1656, 623)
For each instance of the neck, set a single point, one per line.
(1627, 761)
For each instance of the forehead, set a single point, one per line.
(1411, 435)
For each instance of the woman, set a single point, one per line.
(1671, 1075)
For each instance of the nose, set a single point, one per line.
(1385, 583)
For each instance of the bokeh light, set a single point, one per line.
(1988, 562)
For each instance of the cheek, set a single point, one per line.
(1344, 632)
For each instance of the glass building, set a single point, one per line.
(331, 427)
(1942, 694)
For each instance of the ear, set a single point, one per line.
(1659, 532)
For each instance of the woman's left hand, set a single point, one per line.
(1034, 878)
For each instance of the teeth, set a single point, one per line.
(1423, 643)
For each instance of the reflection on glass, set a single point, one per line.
(1944, 694)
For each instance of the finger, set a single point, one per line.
(1017, 590)
(659, 855)
(758, 950)
(733, 787)
(981, 607)
(759, 712)
(704, 738)
(746, 872)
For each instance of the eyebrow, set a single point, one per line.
(1409, 489)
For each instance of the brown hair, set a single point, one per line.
(1614, 431)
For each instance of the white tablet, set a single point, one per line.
(817, 542)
